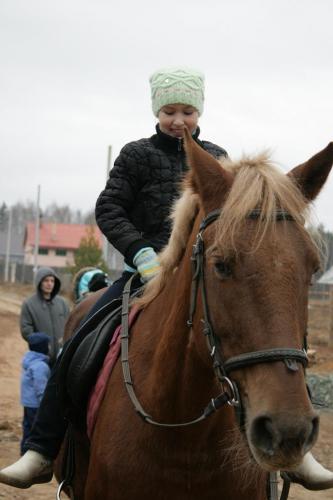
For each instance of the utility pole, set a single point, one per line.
(106, 246)
(8, 245)
(330, 304)
(37, 220)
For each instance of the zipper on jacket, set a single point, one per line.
(179, 156)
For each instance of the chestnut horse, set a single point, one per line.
(235, 276)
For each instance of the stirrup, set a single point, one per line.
(61, 487)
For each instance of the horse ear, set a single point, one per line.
(209, 179)
(312, 175)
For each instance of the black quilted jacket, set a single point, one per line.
(132, 211)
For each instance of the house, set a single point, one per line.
(11, 254)
(327, 277)
(57, 243)
(16, 253)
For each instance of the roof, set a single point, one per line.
(55, 235)
(327, 277)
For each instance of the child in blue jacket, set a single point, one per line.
(34, 377)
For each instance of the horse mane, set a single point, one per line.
(257, 184)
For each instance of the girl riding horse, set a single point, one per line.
(133, 213)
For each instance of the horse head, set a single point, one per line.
(258, 262)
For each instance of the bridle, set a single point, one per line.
(222, 368)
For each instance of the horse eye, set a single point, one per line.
(313, 279)
(223, 269)
(314, 276)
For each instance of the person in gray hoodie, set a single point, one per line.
(45, 311)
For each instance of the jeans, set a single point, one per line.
(29, 415)
(49, 427)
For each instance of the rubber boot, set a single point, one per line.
(31, 468)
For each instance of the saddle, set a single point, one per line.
(82, 359)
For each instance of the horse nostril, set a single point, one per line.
(263, 435)
(313, 434)
(270, 434)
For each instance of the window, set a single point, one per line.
(43, 251)
(61, 251)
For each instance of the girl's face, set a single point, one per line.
(173, 118)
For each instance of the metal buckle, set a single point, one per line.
(198, 246)
(231, 386)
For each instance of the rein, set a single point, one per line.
(211, 407)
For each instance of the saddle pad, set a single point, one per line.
(98, 391)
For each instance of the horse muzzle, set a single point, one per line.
(280, 441)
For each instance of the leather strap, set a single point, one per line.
(265, 356)
(211, 407)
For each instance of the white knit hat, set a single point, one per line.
(177, 86)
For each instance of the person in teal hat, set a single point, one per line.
(132, 212)
(88, 280)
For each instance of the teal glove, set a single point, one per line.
(146, 262)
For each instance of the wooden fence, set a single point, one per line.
(321, 313)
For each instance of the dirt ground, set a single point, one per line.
(13, 347)
(12, 350)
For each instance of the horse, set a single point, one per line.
(216, 397)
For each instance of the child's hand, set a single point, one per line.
(147, 264)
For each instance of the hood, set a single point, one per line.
(76, 281)
(41, 274)
(32, 356)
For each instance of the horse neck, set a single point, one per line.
(174, 378)
(181, 378)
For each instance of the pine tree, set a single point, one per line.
(3, 216)
(89, 253)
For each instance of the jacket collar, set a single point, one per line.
(169, 143)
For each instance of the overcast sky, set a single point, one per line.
(74, 79)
